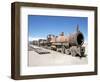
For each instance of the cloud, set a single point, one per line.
(35, 38)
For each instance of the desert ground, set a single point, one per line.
(53, 58)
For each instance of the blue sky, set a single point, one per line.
(40, 26)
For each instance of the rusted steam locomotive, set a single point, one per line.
(71, 45)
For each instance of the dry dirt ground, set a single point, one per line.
(53, 58)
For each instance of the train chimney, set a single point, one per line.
(77, 29)
(62, 34)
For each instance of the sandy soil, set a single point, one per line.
(54, 58)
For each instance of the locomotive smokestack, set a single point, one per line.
(62, 34)
(77, 29)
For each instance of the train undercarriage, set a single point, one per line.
(65, 48)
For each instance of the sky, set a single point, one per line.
(40, 26)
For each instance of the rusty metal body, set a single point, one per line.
(76, 39)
